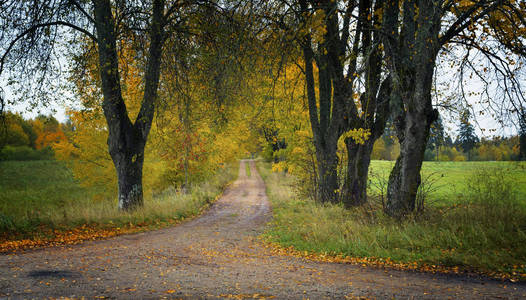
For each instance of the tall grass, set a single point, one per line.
(43, 194)
(482, 232)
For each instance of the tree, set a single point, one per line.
(494, 53)
(373, 105)
(415, 32)
(467, 138)
(192, 136)
(50, 132)
(346, 89)
(12, 131)
(436, 136)
(33, 36)
(522, 134)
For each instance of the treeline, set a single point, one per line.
(442, 147)
(494, 149)
(30, 139)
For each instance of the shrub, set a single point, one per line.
(25, 153)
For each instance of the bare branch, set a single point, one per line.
(35, 27)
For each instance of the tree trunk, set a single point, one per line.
(411, 52)
(359, 155)
(522, 146)
(522, 133)
(326, 128)
(359, 159)
(126, 147)
(129, 172)
(404, 179)
(327, 174)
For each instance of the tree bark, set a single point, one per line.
(355, 185)
(415, 34)
(327, 174)
(522, 134)
(129, 173)
(412, 123)
(411, 52)
(327, 127)
(359, 155)
(334, 111)
(405, 179)
(374, 104)
(522, 146)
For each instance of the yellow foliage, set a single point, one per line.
(298, 151)
(459, 158)
(359, 135)
(279, 167)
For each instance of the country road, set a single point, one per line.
(216, 256)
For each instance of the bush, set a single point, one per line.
(429, 155)
(25, 153)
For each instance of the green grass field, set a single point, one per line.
(43, 194)
(452, 178)
(480, 226)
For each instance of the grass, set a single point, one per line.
(247, 169)
(452, 177)
(39, 195)
(486, 233)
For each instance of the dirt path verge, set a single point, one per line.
(217, 256)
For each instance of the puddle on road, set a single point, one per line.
(52, 274)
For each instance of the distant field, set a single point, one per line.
(452, 177)
(43, 195)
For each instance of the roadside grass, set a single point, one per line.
(483, 231)
(39, 197)
(247, 169)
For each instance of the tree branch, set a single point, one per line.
(79, 7)
(35, 27)
(464, 20)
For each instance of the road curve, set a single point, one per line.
(215, 256)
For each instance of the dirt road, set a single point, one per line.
(215, 256)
